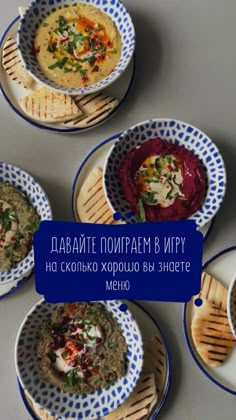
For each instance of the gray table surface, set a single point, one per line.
(186, 70)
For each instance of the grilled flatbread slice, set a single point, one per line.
(137, 406)
(213, 290)
(211, 333)
(12, 64)
(92, 206)
(49, 106)
(155, 361)
(95, 107)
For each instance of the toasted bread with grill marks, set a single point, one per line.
(213, 291)
(138, 404)
(92, 206)
(49, 106)
(12, 64)
(95, 108)
(211, 333)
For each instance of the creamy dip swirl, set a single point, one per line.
(160, 180)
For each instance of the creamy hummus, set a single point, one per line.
(18, 222)
(77, 45)
(81, 348)
(162, 181)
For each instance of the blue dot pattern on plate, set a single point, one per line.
(62, 404)
(40, 9)
(25, 183)
(179, 133)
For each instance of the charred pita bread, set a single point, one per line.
(49, 106)
(213, 291)
(95, 108)
(12, 64)
(138, 404)
(92, 206)
(155, 361)
(211, 333)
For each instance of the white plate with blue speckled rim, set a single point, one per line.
(149, 328)
(12, 92)
(67, 405)
(221, 266)
(97, 158)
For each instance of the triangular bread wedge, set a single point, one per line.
(155, 361)
(92, 206)
(213, 291)
(95, 107)
(211, 333)
(49, 106)
(12, 64)
(137, 405)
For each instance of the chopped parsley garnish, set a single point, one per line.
(91, 59)
(45, 24)
(142, 214)
(70, 378)
(52, 47)
(6, 218)
(59, 64)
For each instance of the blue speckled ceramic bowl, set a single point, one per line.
(9, 280)
(66, 405)
(38, 10)
(176, 132)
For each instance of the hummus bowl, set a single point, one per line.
(231, 306)
(66, 405)
(36, 198)
(74, 48)
(164, 169)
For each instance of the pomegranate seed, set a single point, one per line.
(72, 327)
(98, 340)
(87, 373)
(62, 341)
(55, 345)
(54, 332)
(64, 320)
(79, 346)
(73, 363)
(83, 366)
(80, 326)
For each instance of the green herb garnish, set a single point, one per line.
(91, 59)
(33, 227)
(70, 378)
(6, 218)
(142, 214)
(52, 47)
(45, 24)
(64, 354)
(59, 64)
